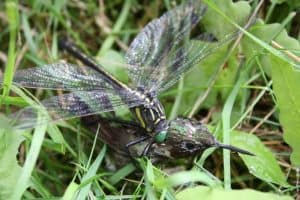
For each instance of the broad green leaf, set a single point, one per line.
(219, 193)
(267, 33)
(285, 79)
(286, 82)
(185, 177)
(217, 24)
(265, 45)
(9, 168)
(252, 49)
(263, 165)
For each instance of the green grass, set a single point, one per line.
(12, 16)
(233, 90)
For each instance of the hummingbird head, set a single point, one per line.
(188, 137)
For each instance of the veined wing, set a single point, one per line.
(188, 56)
(149, 53)
(63, 76)
(75, 104)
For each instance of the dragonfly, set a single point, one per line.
(156, 59)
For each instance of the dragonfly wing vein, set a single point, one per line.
(75, 104)
(187, 57)
(149, 52)
(63, 76)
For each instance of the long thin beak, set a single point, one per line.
(235, 149)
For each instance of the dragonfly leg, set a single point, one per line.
(134, 142)
(146, 149)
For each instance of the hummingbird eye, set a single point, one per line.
(188, 145)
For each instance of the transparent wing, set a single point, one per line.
(63, 76)
(149, 53)
(186, 57)
(75, 104)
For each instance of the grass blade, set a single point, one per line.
(12, 14)
(35, 147)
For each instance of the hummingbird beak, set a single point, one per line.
(235, 149)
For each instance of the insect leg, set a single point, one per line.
(134, 142)
(147, 148)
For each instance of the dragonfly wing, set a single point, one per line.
(147, 56)
(75, 104)
(63, 76)
(188, 56)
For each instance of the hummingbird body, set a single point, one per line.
(185, 138)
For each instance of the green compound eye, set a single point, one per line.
(160, 137)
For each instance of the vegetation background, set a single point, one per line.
(250, 96)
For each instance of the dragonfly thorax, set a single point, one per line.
(151, 115)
